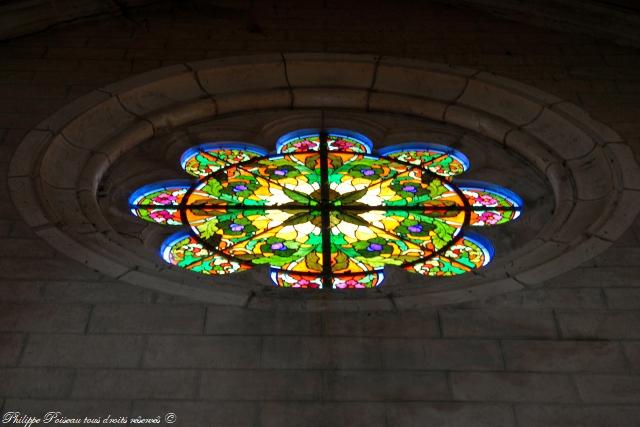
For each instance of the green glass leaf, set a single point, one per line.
(295, 196)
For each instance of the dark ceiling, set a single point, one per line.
(615, 20)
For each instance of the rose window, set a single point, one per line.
(325, 211)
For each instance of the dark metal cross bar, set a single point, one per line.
(325, 211)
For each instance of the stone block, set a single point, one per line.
(478, 121)
(203, 352)
(63, 208)
(56, 122)
(257, 100)
(622, 211)
(624, 164)
(618, 257)
(580, 252)
(453, 295)
(43, 383)
(310, 70)
(320, 353)
(261, 385)
(599, 324)
(597, 277)
(225, 295)
(623, 299)
(532, 149)
(561, 135)
(330, 98)
(415, 414)
(346, 305)
(83, 351)
(435, 84)
(232, 320)
(10, 348)
(167, 120)
(20, 291)
(43, 317)
(601, 131)
(99, 124)
(47, 269)
(439, 354)
(386, 385)
(144, 318)
(220, 414)
(62, 156)
(383, 324)
(28, 152)
(632, 350)
(135, 384)
(91, 174)
(502, 103)
(530, 92)
(94, 292)
(563, 356)
(405, 104)
(512, 387)
(609, 388)
(126, 139)
(83, 251)
(497, 324)
(25, 248)
(241, 74)
(543, 298)
(591, 176)
(25, 201)
(576, 415)
(157, 89)
(326, 414)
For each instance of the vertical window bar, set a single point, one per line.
(325, 211)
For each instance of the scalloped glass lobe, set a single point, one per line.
(337, 140)
(439, 159)
(485, 195)
(185, 251)
(159, 202)
(468, 253)
(294, 279)
(359, 280)
(204, 159)
(489, 204)
(355, 276)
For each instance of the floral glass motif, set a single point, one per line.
(324, 211)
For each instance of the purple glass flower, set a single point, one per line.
(236, 227)
(239, 188)
(367, 172)
(278, 247)
(280, 172)
(415, 228)
(409, 188)
(373, 247)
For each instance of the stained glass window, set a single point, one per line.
(325, 211)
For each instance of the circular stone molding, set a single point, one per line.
(55, 174)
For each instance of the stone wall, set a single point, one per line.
(73, 340)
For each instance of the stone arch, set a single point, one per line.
(55, 173)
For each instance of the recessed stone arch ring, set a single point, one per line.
(57, 170)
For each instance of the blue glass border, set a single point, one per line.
(483, 243)
(408, 146)
(331, 131)
(170, 241)
(481, 185)
(158, 185)
(273, 271)
(212, 146)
